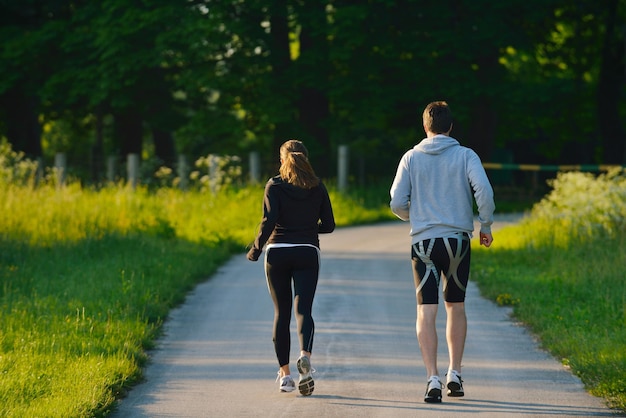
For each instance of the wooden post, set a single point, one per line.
(39, 171)
(132, 168)
(183, 172)
(213, 173)
(342, 168)
(111, 160)
(255, 167)
(60, 167)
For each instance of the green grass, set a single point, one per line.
(88, 276)
(76, 318)
(562, 270)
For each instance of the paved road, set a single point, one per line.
(216, 358)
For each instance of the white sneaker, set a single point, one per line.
(306, 383)
(433, 390)
(286, 383)
(454, 384)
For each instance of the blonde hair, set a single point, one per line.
(295, 167)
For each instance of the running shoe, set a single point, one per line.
(454, 384)
(433, 390)
(286, 383)
(306, 383)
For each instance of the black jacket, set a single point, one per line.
(293, 215)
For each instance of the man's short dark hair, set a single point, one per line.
(437, 117)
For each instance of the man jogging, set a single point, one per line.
(434, 187)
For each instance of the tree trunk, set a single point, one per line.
(484, 74)
(610, 86)
(481, 134)
(280, 59)
(128, 132)
(313, 104)
(97, 151)
(160, 115)
(23, 130)
(314, 114)
(164, 148)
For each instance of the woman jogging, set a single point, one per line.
(296, 208)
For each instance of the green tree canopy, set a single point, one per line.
(541, 80)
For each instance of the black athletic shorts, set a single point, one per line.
(445, 258)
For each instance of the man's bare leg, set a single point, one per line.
(456, 331)
(427, 337)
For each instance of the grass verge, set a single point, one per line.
(87, 278)
(562, 270)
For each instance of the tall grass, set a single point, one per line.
(87, 276)
(85, 280)
(562, 269)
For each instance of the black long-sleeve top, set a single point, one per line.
(293, 215)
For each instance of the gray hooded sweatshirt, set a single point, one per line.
(434, 186)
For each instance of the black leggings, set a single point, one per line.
(282, 265)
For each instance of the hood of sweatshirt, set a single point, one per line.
(294, 192)
(436, 144)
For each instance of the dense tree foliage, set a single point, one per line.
(531, 81)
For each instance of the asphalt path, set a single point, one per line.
(216, 356)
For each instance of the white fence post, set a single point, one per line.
(214, 175)
(132, 168)
(342, 168)
(111, 163)
(60, 166)
(182, 171)
(255, 167)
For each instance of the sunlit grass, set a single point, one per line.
(75, 319)
(563, 269)
(87, 276)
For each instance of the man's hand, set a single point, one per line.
(486, 239)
